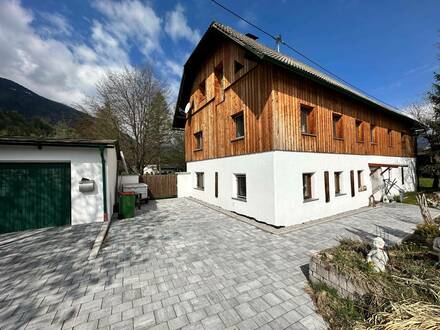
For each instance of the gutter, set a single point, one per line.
(104, 182)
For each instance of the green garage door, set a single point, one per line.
(34, 195)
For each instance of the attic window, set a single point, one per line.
(237, 66)
(202, 89)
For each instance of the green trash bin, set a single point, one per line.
(127, 201)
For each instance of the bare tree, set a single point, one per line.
(131, 106)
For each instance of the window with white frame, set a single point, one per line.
(241, 186)
(307, 186)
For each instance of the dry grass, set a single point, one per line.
(405, 316)
(407, 296)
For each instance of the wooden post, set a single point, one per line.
(423, 204)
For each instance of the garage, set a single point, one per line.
(56, 182)
(34, 195)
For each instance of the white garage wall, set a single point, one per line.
(84, 162)
(274, 183)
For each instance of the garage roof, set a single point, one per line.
(86, 143)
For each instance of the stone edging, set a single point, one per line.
(282, 230)
(321, 271)
(99, 240)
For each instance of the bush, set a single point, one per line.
(424, 234)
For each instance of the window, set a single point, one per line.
(338, 186)
(337, 126)
(373, 138)
(239, 125)
(406, 143)
(216, 185)
(359, 131)
(307, 120)
(360, 177)
(219, 92)
(200, 184)
(307, 186)
(352, 183)
(237, 66)
(202, 90)
(390, 137)
(326, 187)
(241, 186)
(198, 137)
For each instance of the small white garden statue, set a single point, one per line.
(377, 256)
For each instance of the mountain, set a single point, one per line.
(17, 98)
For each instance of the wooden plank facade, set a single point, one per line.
(230, 81)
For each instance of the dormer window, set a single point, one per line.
(238, 66)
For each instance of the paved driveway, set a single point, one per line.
(177, 265)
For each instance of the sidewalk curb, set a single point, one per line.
(99, 240)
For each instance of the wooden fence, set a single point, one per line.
(161, 185)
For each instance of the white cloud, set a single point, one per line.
(58, 24)
(59, 67)
(131, 22)
(174, 67)
(176, 26)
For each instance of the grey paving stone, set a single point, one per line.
(164, 314)
(212, 322)
(108, 320)
(196, 316)
(178, 322)
(293, 316)
(131, 313)
(175, 248)
(245, 311)
(144, 321)
(230, 317)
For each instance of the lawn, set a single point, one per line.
(425, 187)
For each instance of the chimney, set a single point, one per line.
(252, 36)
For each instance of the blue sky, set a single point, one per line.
(60, 49)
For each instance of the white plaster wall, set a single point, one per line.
(290, 207)
(274, 184)
(84, 162)
(184, 184)
(259, 181)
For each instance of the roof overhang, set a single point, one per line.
(203, 45)
(68, 143)
(386, 165)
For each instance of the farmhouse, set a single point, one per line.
(271, 138)
(48, 182)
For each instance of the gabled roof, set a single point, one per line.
(265, 53)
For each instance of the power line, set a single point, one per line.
(279, 40)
